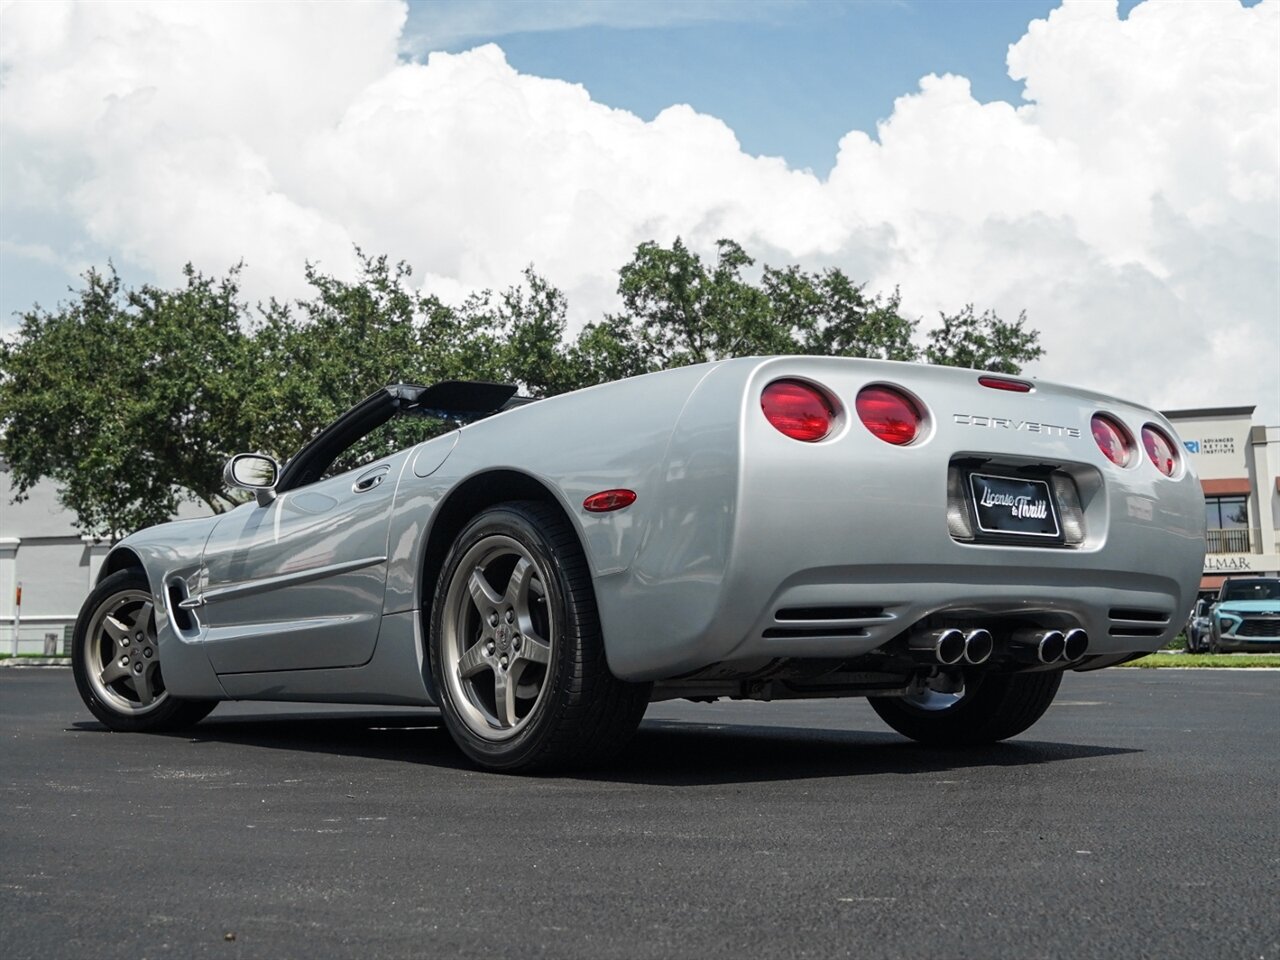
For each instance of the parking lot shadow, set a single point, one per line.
(680, 752)
(663, 752)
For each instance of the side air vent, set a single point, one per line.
(1133, 622)
(182, 619)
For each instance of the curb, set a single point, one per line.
(35, 662)
(1216, 670)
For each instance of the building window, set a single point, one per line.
(1227, 523)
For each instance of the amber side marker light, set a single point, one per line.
(1005, 383)
(608, 500)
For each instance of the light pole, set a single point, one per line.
(17, 617)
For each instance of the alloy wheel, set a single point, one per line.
(121, 654)
(498, 637)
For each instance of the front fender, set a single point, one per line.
(171, 555)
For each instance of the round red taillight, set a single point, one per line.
(890, 414)
(798, 409)
(1160, 449)
(1112, 439)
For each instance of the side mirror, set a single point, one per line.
(253, 471)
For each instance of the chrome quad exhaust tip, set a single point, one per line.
(946, 646)
(1046, 646)
(1075, 644)
(978, 646)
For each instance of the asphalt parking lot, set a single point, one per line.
(1139, 818)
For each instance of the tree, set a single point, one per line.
(318, 355)
(132, 400)
(983, 342)
(830, 316)
(677, 310)
(127, 399)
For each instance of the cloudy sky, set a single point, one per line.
(1112, 169)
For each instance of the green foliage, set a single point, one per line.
(1233, 660)
(983, 342)
(131, 400)
(127, 399)
(678, 310)
(317, 356)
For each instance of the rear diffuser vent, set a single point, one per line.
(795, 633)
(1144, 616)
(829, 613)
(1136, 631)
(1131, 622)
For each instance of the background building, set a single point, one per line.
(1239, 467)
(41, 548)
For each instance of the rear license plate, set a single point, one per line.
(1013, 506)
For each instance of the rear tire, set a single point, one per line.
(516, 649)
(116, 661)
(999, 706)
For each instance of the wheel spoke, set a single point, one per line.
(534, 650)
(142, 619)
(142, 685)
(473, 661)
(529, 592)
(504, 698)
(113, 672)
(482, 595)
(522, 576)
(116, 630)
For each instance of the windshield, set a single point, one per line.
(1250, 590)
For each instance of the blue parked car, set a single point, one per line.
(1246, 616)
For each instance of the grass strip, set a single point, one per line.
(1177, 660)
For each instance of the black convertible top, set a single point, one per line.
(454, 399)
(458, 400)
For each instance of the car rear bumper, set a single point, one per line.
(765, 547)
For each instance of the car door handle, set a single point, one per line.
(369, 481)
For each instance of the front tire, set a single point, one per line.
(993, 708)
(116, 661)
(516, 649)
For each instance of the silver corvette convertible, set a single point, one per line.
(945, 542)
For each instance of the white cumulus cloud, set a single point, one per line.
(1131, 205)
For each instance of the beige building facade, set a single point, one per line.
(1238, 462)
(41, 549)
